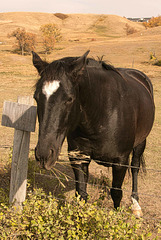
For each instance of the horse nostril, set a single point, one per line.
(51, 153)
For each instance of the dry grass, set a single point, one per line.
(103, 35)
(71, 26)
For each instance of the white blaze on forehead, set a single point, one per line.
(50, 87)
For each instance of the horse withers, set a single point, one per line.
(105, 112)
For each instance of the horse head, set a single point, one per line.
(57, 101)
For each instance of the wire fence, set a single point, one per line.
(96, 185)
(110, 164)
(103, 184)
(5, 146)
(97, 161)
(64, 177)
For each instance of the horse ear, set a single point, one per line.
(80, 63)
(38, 63)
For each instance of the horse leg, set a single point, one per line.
(118, 173)
(136, 160)
(80, 163)
(81, 177)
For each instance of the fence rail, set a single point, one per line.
(97, 161)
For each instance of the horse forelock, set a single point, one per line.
(52, 72)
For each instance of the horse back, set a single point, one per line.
(137, 76)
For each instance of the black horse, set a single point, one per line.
(105, 112)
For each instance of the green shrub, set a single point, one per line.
(43, 217)
(158, 62)
(154, 60)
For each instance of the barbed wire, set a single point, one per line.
(107, 188)
(116, 164)
(100, 162)
(5, 146)
(97, 161)
(97, 185)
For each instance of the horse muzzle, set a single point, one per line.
(45, 160)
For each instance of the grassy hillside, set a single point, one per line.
(71, 26)
(102, 34)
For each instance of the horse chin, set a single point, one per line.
(49, 165)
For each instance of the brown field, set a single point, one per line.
(103, 35)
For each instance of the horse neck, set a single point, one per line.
(92, 86)
(90, 99)
(97, 89)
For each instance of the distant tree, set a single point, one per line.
(153, 22)
(51, 34)
(25, 41)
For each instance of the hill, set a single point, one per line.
(71, 25)
(103, 35)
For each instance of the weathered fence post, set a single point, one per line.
(22, 117)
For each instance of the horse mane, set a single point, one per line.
(102, 64)
(60, 66)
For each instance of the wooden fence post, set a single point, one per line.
(22, 117)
